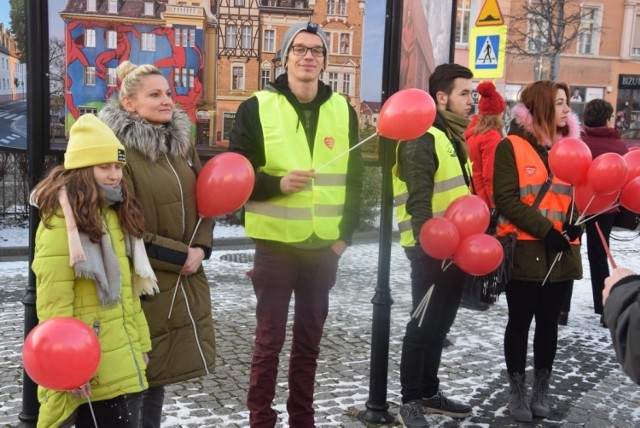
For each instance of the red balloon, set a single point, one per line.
(407, 114)
(569, 159)
(632, 158)
(61, 354)
(589, 203)
(479, 254)
(439, 238)
(224, 184)
(630, 196)
(607, 173)
(470, 214)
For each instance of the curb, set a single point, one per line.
(232, 243)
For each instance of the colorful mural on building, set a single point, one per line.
(95, 48)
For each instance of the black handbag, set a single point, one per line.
(626, 219)
(492, 284)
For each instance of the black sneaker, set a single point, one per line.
(441, 404)
(472, 303)
(411, 415)
(446, 342)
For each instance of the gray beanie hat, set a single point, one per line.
(292, 32)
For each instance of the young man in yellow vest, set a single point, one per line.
(301, 214)
(430, 172)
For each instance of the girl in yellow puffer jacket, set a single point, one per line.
(91, 264)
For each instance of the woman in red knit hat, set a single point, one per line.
(483, 135)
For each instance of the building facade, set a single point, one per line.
(251, 31)
(13, 77)
(602, 62)
(172, 35)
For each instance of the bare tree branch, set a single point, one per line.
(544, 29)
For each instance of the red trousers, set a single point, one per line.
(280, 271)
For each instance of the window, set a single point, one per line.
(176, 36)
(185, 77)
(462, 21)
(269, 42)
(87, 110)
(299, 4)
(192, 37)
(230, 39)
(346, 84)
(91, 5)
(345, 43)
(148, 42)
(112, 39)
(113, 6)
(333, 81)
(112, 77)
(635, 41)
(148, 8)
(246, 37)
(192, 77)
(265, 78)
(589, 18)
(331, 7)
(176, 77)
(237, 78)
(328, 33)
(342, 7)
(90, 76)
(238, 3)
(90, 38)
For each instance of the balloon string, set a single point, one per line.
(606, 247)
(344, 153)
(582, 219)
(581, 216)
(558, 256)
(175, 291)
(93, 415)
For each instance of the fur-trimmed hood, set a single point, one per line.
(172, 138)
(523, 119)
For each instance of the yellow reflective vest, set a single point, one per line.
(449, 184)
(318, 208)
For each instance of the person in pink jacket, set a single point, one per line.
(484, 133)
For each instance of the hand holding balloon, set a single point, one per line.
(295, 181)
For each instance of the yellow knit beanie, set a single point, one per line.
(92, 142)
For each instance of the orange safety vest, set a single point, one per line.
(532, 174)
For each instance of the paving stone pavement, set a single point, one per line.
(588, 388)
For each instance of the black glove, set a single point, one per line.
(571, 231)
(556, 241)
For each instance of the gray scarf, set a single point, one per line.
(100, 263)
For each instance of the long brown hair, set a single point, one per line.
(84, 197)
(487, 122)
(540, 99)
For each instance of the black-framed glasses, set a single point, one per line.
(300, 50)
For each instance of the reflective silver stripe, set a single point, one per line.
(552, 214)
(448, 184)
(277, 211)
(532, 189)
(330, 179)
(325, 210)
(405, 225)
(400, 199)
(561, 189)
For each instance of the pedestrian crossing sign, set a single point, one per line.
(486, 51)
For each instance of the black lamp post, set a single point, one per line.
(37, 137)
(377, 406)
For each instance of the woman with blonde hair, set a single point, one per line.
(547, 254)
(161, 170)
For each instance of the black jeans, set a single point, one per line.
(422, 346)
(151, 410)
(525, 300)
(598, 262)
(122, 411)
